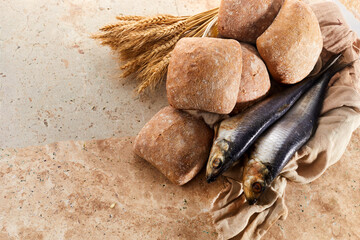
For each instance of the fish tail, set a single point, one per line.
(311, 80)
(334, 68)
(334, 59)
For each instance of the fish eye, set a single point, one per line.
(257, 188)
(216, 163)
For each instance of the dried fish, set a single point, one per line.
(273, 149)
(233, 136)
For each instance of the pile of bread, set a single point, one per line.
(225, 76)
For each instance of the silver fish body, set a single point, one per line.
(234, 136)
(273, 149)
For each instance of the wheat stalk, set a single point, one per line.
(119, 24)
(144, 44)
(154, 73)
(129, 18)
(154, 54)
(137, 46)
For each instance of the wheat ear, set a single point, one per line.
(144, 44)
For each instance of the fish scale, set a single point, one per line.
(276, 146)
(234, 136)
(285, 137)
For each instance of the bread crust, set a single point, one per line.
(204, 74)
(246, 20)
(176, 143)
(292, 44)
(255, 80)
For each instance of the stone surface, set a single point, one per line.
(58, 84)
(50, 91)
(328, 208)
(100, 189)
(204, 74)
(97, 190)
(176, 143)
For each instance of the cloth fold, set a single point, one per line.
(234, 218)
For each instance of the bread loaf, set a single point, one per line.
(204, 74)
(246, 20)
(255, 80)
(176, 143)
(292, 44)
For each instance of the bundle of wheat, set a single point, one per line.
(144, 44)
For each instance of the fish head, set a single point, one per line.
(255, 180)
(219, 160)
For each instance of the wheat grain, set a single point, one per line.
(154, 74)
(130, 18)
(142, 41)
(151, 55)
(144, 44)
(119, 24)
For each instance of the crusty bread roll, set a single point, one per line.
(292, 44)
(176, 143)
(246, 20)
(204, 74)
(255, 80)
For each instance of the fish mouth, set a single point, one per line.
(210, 178)
(252, 201)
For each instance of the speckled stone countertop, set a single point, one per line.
(57, 84)
(97, 190)
(100, 190)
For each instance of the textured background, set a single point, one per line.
(58, 84)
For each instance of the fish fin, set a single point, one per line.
(216, 130)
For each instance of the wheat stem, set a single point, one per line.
(130, 18)
(119, 24)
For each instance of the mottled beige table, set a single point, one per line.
(57, 84)
(97, 190)
(100, 190)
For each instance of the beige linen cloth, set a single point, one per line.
(234, 218)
